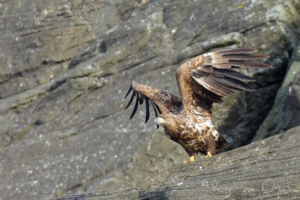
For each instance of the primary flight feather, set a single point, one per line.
(202, 81)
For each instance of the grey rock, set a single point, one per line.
(65, 67)
(285, 113)
(266, 169)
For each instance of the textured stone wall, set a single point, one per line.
(266, 169)
(65, 67)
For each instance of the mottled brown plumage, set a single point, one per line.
(202, 81)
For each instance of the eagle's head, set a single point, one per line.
(165, 120)
(160, 120)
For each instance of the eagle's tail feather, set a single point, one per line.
(222, 143)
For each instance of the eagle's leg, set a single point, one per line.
(192, 155)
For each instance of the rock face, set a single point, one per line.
(65, 67)
(267, 169)
(285, 112)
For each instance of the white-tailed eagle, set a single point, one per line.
(202, 81)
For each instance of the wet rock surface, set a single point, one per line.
(266, 169)
(65, 67)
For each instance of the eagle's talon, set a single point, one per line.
(186, 162)
(208, 155)
(192, 159)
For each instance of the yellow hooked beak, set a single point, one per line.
(159, 120)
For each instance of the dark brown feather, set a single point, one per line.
(232, 74)
(141, 99)
(159, 111)
(243, 56)
(222, 79)
(249, 64)
(214, 99)
(130, 101)
(206, 68)
(135, 106)
(129, 90)
(213, 86)
(206, 94)
(158, 98)
(155, 112)
(147, 109)
(233, 83)
(222, 143)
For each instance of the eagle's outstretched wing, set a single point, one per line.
(207, 78)
(162, 102)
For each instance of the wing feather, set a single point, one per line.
(157, 108)
(130, 101)
(214, 76)
(129, 90)
(141, 100)
(249, 64)
(234, 83)
(161, 101)
(232, 74)
(147, 109)
(234, 51)
(215, 98)
(206, 68)
(155, 112)
(135, 106)
(215, 87)
(243, 56)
